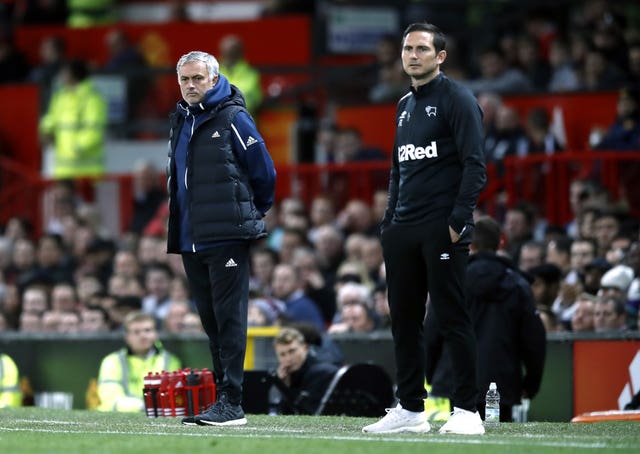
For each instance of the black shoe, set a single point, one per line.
(222, 413)
(189, 421)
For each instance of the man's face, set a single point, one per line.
(605, 317)
(419, 58)
(291, 356)
(581, 254)
(193, 78)
(141, 336)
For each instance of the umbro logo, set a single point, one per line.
(431, 111)
(230, 263)
(215, 135)
(251, 141)
(444, 256)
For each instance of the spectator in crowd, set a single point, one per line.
(355, 317)
(633, 294)
(191, 324)
(316, 287)
(518, 229)
(391, 82)
(75, 124)
(287, 286)
(532, 253)
(381, 306)
(329, 246)
(122, 372)
(157, 284)
(349, 147)
(322, 212)
(50, 264)
(609, 315)
(356, 217)
(496, 76)
(64, 298)
(510, 336)
(509, 137)
(125, 60)
(624, 132)
(546, 284)
(580, 193)
(35, 300)
(265, 311)
(582, 318)
(148, 195)
(239, 72)
(10, 393)
(94, 319)
(615, 283)
(490, 103)
(68, 322)
(531, 61)
(558, 253)
(300, 377)
(292, 239)
(541, 137)
(263, 262)
(597, 73)
(564, 77)
(46, 73)
(176, 312)
(606, 226)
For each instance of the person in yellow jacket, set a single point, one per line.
(10, 394)
(121, 376)
(239, 72)
(90, 13)
(75, 123)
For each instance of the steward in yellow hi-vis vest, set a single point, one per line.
(121, 376)
(10, 395)
(89, 13)
(75, 123)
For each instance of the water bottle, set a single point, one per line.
(492, 406)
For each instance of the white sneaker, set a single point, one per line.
(399, 420)
(463, 422)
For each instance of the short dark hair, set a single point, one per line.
(439, 38)
(486, 234)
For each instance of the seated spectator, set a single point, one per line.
(301, 378)
(610, 315)
(496, 76)
(615, 282)
(148, 195)
(316, 286)
(94, 319)
(564, 77)
(191, 324)
(348, 147)
(582, 318)
(157, 283)
(265, 311)
(624, 132)
(121, 375)
(355, 318)
(176, 311)
(287, 286)
(45, 74)
(532, 254)
(10, 393)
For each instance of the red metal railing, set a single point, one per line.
(540, 179)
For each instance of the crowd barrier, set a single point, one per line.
(540, 179)
(582, 373)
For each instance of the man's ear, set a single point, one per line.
(441, 57)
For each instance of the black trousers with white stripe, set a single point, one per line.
(219, 283)
(421, 262)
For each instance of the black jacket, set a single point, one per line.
(222, 205)
(438, 166)
(308, 386)
(509, 333)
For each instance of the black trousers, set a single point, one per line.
(219, 283)
(421, 262)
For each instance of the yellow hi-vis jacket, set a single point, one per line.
(121, 377)
(77, 118)
(89, 13)
(247, 79)
(10, 395)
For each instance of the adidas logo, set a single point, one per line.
(215, 135)
(251, 141)
(230, 264)
(444, 256)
